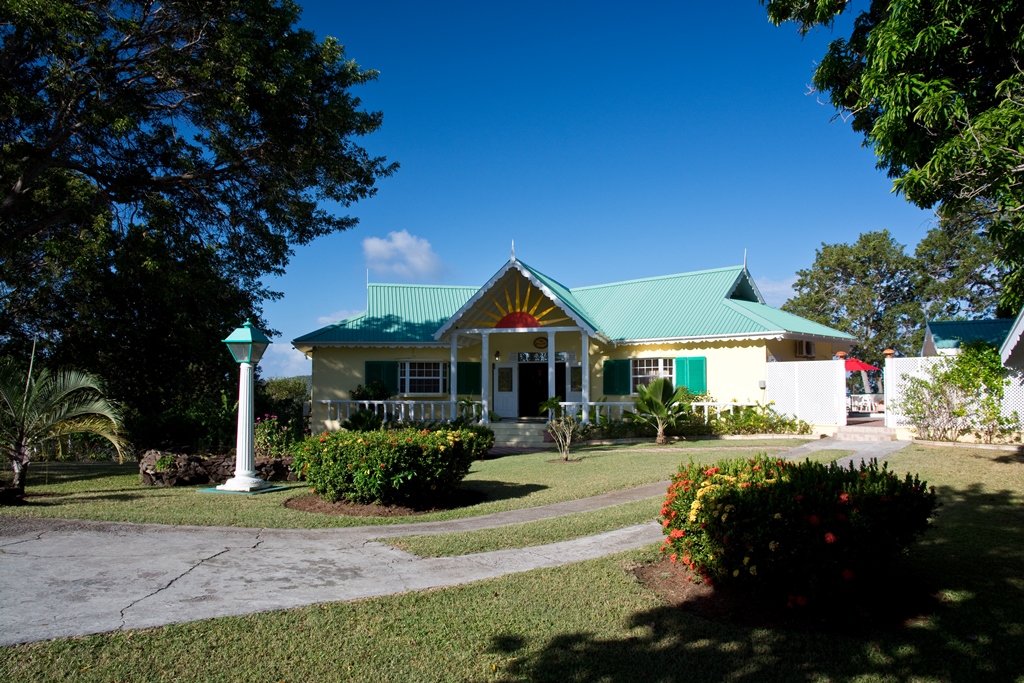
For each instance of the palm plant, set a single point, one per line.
(36, 410)
(658, 405)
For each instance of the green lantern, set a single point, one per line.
(247, 344)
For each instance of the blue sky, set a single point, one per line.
(611, 141)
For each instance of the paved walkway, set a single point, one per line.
(69, 578)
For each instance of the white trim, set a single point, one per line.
(734, 337)
(490, 283)
(736, 283)
(1012, 339)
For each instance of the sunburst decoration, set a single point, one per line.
(521, 314)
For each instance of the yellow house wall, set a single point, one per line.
(733, 367)
(784, 350)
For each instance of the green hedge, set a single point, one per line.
(396, 466)
(795, 529)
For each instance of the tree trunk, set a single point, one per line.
(20, 475)
(661, 440)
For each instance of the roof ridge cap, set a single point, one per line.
(418, 284)
(659, 277)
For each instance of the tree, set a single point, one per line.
(658, 405)
(218, 122)
(40, 408)
(959, 276)
(865, 289)
(157, 160)
(937, 90)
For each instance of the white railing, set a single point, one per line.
(719, 407)
(610, 410)
(398, 410)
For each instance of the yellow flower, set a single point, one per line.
(753, 571)
(725, 516)
(778, 515)
(730, 508)
(735, 572)
(773, 545)
(442, 449)
(746, 561)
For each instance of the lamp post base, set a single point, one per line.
(244, 484)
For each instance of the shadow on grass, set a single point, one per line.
(51, 473)
(1011, 458)
(500, 490)
(974, 556)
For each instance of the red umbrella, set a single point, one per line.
(853, 365)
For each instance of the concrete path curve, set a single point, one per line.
(69, 578)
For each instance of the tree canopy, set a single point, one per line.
(157, 161)
(877, 292)
(936, 87)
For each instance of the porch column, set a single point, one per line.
(551, 369)
(453, 375)
(585, 364)
(485, 375)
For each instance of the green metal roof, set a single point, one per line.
(690, 305)
(395, 314)
(722, 302)
(950, 334)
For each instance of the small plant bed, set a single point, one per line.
(530, 534)
(897, 601)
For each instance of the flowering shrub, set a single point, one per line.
(272, 438)
(796, 529)
(759, 419)
(406, 465)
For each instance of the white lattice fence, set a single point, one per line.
(813, 391)
(899, 370)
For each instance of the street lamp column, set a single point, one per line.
(247, 345)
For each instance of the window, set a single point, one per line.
(576, 379)
(416, 377)
(542, 357)
(646, 370)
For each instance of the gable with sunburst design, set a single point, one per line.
(513, 302)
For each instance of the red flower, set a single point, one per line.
(677, 533)
(801, 600)
(848, 574)
(799, 497)
(703, 525)
(844, 497)
(686, 559)
(673, 558)
(744, 484)
(841, 517)
(830, 537)
(814, 520)
(711, 471)
(664, 525)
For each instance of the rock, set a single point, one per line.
(160, 468)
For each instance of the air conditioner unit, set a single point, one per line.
(804, 349)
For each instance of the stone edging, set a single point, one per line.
(965, 444)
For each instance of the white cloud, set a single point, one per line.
(403, 255)
(284, 360)
(336, 316)
(776, 292)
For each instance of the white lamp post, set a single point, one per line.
(247, 345)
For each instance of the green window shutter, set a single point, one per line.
(692, 373)
(617, 377)
(385, 371)
(469, 380)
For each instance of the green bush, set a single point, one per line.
(759, 419)
(363, 421)
(791, 529)
(395, 466)
(273, 438)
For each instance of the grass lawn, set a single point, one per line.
(528, 534)
(110, 492)
(592, 621)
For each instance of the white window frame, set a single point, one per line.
(646, 370)
(404, 375)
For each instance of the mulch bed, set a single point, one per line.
(895, 603)
(314, 503)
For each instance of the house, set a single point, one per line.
(945, 338)
(523, 336)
